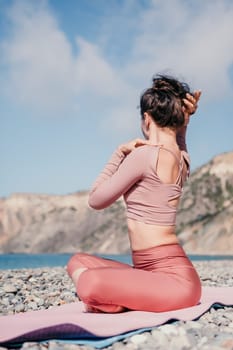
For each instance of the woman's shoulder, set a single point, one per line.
(144, 150)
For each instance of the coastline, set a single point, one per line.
(22, 290)
(24, 260)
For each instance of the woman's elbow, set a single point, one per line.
(94, 203)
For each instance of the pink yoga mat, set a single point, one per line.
(70, 321)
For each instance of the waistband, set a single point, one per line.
(172, 248)
(166, 255)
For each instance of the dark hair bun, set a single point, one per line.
(163, 101)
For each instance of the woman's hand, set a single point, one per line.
(128, 147)
(190, 105)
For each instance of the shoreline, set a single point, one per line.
(22, 290)
(53, 260)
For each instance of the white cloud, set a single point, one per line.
(39, 58)
(93, 73)
(43, 73)
(47, 74)
(193, 42)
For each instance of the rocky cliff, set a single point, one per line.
(47, 223)
(205, 220)
(43, 223)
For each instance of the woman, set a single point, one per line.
(150, 175)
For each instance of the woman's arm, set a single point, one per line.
(181, 138)
(190, 107)
(110, 169)
(124, 169)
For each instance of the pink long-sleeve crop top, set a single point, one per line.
(134, 176)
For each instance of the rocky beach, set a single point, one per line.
(33, 289)
(39, 223)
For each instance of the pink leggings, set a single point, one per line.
(162, 278)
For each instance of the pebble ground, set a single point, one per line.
(34, 289)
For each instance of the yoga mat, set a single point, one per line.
(70, 322)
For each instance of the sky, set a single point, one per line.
(72, 72)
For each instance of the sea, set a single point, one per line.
(28, 261)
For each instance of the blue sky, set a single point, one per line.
(71, 73)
